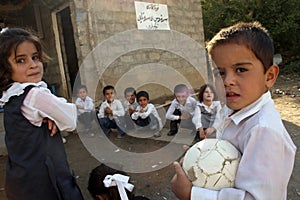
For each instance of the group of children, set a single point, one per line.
(137, 113)
(37, 166)
(134, 113)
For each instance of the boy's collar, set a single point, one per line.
(249, 110)
(186, 101)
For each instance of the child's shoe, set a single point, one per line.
(171, 133)
(157, 134)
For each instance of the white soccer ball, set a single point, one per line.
(212, 164)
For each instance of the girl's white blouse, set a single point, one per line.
(40, 103)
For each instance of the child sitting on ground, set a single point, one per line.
(129, 105)
(85, 109)
(111, 112)
(106, 183)
(209, 108)
(184, 111)
(243, 64)
(146, 114)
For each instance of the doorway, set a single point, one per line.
(66, 49)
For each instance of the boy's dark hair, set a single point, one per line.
(253, 35)
(203, 88)
(10, 39)
(108, 87)
(82, 87)
(180, 88)
(97, 187)
(142, 94)
(129, 89)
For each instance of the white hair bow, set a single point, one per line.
(121, 181)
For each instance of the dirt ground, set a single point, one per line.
(155, 185)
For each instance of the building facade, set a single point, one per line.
(98, 42)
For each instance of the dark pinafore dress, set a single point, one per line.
(207, 118)
(37, 167)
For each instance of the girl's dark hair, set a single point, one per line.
(253, 35)
(203, 88)
(97, 187)
(10, 39)
(142, 94)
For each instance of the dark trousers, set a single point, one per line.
(186, 123)
(87, 118)
(150, 122)
(107, 124)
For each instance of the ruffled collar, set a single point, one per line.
(16, 89)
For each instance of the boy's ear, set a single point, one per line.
(271, 75)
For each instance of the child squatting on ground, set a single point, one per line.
(111, 112)
(129, 105)
(184, 111)
(106, 183)
(37, 166)
(85, 109)
(243, 59)
(146, 114)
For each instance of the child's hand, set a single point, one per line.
(130, 111)
(142, 111)
(180, 184)
(209, 131)
(185, 116)
(51, 126)
(202, 133)
(80, 107)
(108, 111)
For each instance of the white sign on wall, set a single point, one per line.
(151, 16)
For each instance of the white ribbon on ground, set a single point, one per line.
(121, 181)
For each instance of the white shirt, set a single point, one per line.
(190, 107)
(116, 106)
(214, 104)
(128, 105)
(268, 154)
(87, 104)
(40, 103)
(150, 108)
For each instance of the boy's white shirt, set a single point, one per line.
(128, 105)
(268, 153)
(40, 103)
(150, 108)
(87, 104)
(190, 106)
(116, 106)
